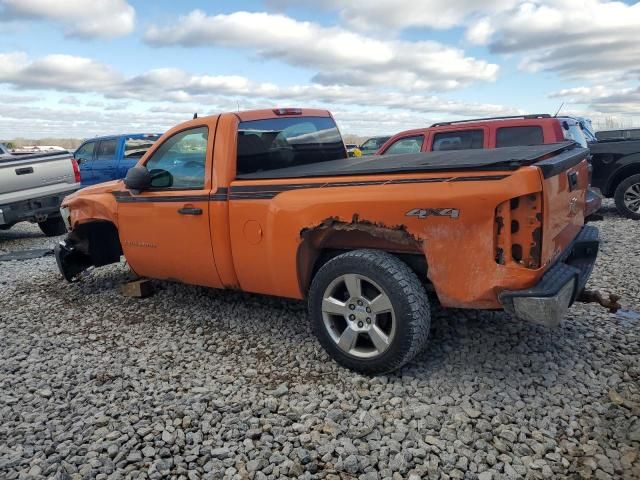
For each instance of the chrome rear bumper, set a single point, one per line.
(547, 302)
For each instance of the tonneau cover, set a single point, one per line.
(508, 158)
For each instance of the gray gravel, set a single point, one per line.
(194, 383)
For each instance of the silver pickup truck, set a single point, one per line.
(33, 186)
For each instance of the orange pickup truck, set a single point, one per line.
(267, 201)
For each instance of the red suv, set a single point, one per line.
(494, 132)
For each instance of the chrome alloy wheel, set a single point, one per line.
(632, 198)
(358, 315)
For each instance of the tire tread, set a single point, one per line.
(418, 320)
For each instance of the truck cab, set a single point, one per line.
(108, 158)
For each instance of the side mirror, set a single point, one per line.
(138, 178)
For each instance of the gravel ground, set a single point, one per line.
(194, 383)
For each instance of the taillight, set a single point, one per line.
(518, 231)
(76, 170)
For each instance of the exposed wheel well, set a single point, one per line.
(417, 262)
(624, 172)
(97, 240)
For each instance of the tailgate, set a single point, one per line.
(565, 180)
(26, 176)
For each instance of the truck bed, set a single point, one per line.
(615, 147)
(550, 158)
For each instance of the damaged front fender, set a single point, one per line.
(71, 262)
(91, 244)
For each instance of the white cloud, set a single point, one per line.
(401, 14)
(18, 99)
(340, 56)
(80, 18)
(56, 72)
(173, 91)
(575, 38)
(603, 99)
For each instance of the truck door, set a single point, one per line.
(104, 165)
(165, 231)
(85, 156)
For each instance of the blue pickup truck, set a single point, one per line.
(109, 158)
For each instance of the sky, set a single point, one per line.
(80, 68)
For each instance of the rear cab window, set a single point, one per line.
(458, 140)
(411, 144)
(275, 143)
(519, 136)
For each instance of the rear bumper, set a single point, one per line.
(36, 209)
(546, 303)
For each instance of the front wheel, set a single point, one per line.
(369, 311)
(53, 226)
(627, 197)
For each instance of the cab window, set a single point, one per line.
(406, 145)
(519, 136)
(179, 163)
(460, 140)
(85, 152)
(274, 143)
(107, 149)
(136, 147)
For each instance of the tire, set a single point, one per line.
(53, 226)
(627, 197)
(387, 304)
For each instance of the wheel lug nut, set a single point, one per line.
(352, 306)
(368, 320)
(352, 317)
(360, 324)
(368, 310)
(360, 302)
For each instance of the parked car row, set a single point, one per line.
(485, 214)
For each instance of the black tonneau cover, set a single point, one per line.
(508, 158)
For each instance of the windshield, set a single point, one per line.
(572, 131)
(588, 131)
(374, 143)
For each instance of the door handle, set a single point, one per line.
(24, 171)
(190, 211)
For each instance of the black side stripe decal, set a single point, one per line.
(265, 192)
(246, 192)
(126, 197)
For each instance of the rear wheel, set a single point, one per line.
(53, 226)
(369, 311)
(627, 197)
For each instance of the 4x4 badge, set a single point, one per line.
(433, 212)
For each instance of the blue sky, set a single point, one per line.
(85, 67)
